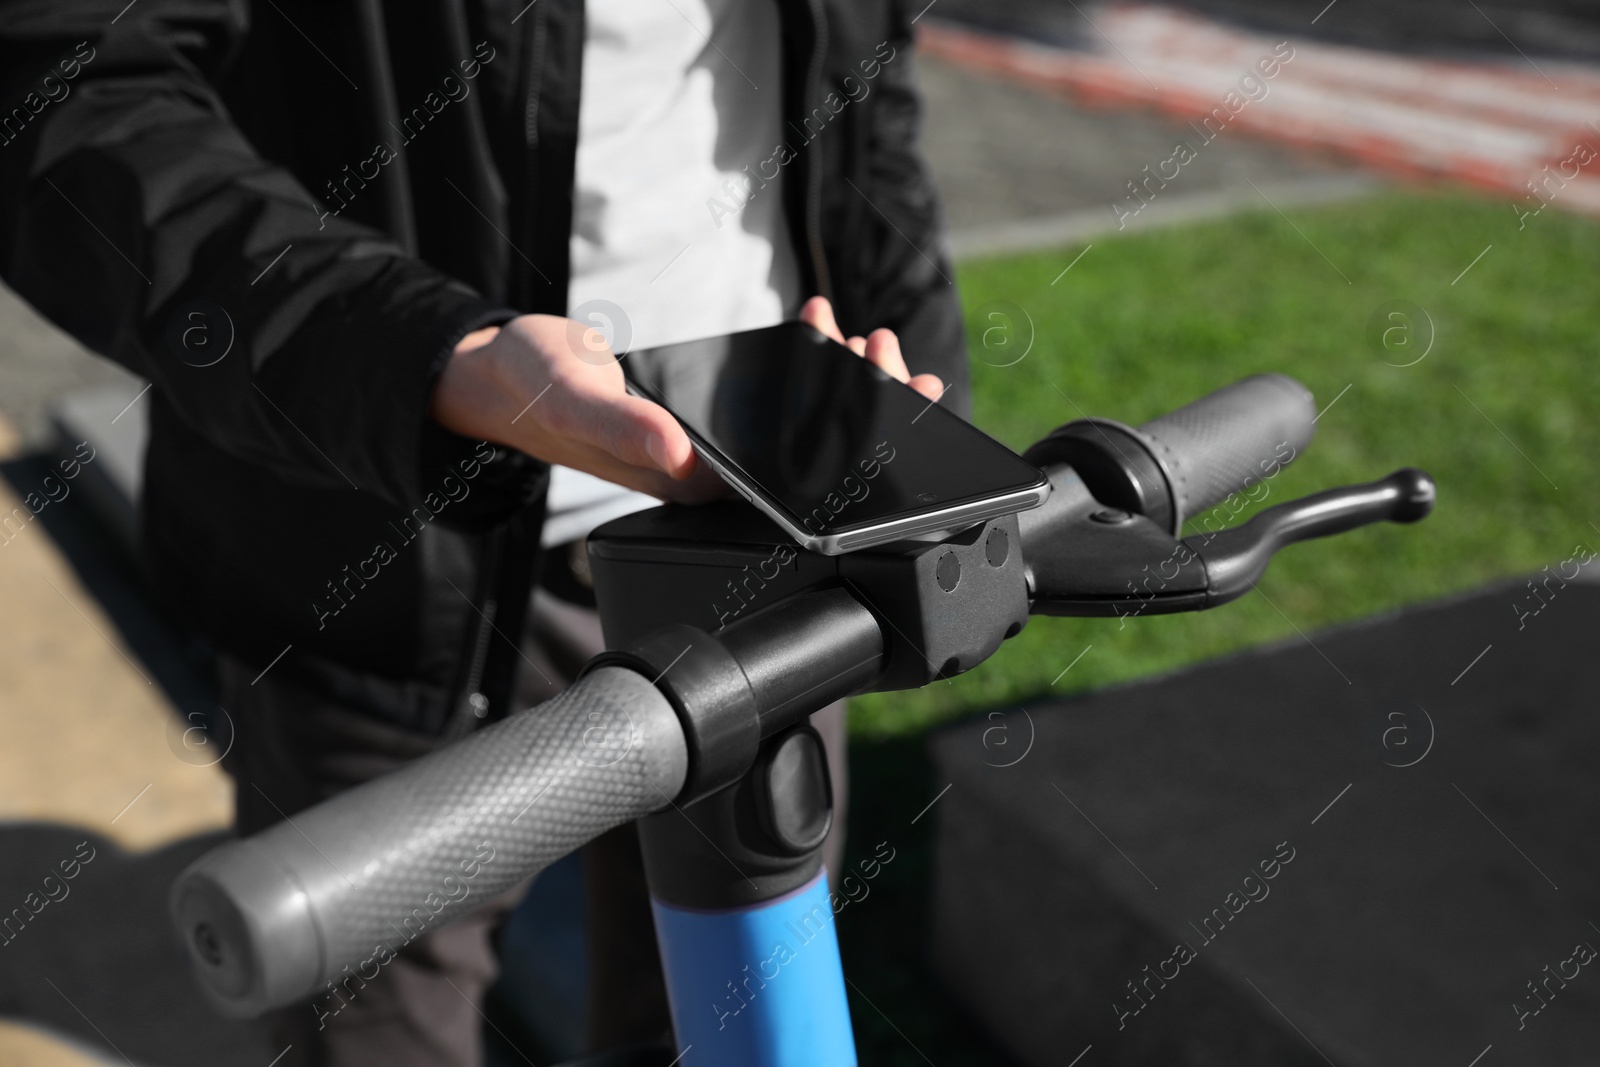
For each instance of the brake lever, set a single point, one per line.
(1089, 560)
(1236, 558)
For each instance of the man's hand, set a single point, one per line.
(551, 387)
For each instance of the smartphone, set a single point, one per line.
(832, 449)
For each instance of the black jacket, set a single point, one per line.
(158, 164)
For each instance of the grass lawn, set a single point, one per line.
(1502, 411)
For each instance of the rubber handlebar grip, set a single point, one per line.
(322, 901)
(1231, 439)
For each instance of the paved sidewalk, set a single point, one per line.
(1022, 167)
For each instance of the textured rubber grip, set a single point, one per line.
(1230, 439)
(322, 901)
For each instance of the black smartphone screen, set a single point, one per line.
(828, 437)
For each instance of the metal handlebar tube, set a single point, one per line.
(320, 902)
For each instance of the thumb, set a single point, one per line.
(643, 434)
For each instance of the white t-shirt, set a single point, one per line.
(674, 222)
(679, 97)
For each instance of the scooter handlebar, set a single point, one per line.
(1177, 465)
(321, 901)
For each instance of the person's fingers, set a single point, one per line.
(587, 407)
(592, 406)
(641, 433)
(858, 345)
(702, 486)
(818, 314)
(696, 483)
(699, 487)
(882, 350)
(928, 385)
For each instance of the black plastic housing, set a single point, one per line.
(711, 694)
(730, 849)
(943, 607)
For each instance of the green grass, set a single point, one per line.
(1143, 324)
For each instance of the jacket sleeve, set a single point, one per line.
(135, 216)
(913, 281)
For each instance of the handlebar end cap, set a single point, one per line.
(247, 927)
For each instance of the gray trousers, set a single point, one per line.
(294, 747)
